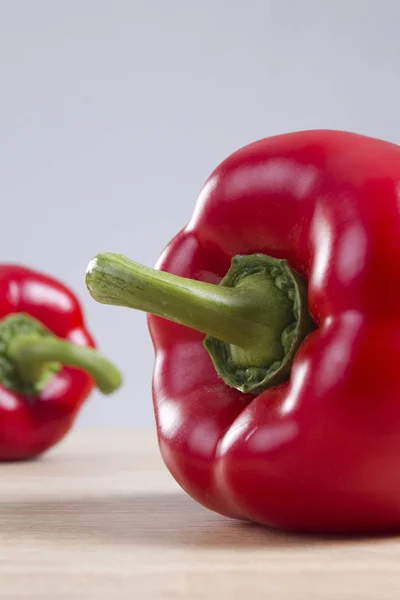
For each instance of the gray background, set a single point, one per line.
(113, 113)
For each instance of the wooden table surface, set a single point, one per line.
(100, 517)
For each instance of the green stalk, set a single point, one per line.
(34, 357)
(248, 319)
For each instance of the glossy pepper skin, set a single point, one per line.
(31, 423)
(321, 451)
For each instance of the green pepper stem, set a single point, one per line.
(32, 355)
(255, 319)
(245, 315)
(223, 312)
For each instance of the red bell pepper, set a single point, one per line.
(48, 364)
(293, 423)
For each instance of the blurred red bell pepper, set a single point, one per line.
(292, 424)
(48, 364)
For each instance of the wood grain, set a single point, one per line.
(100, 517)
